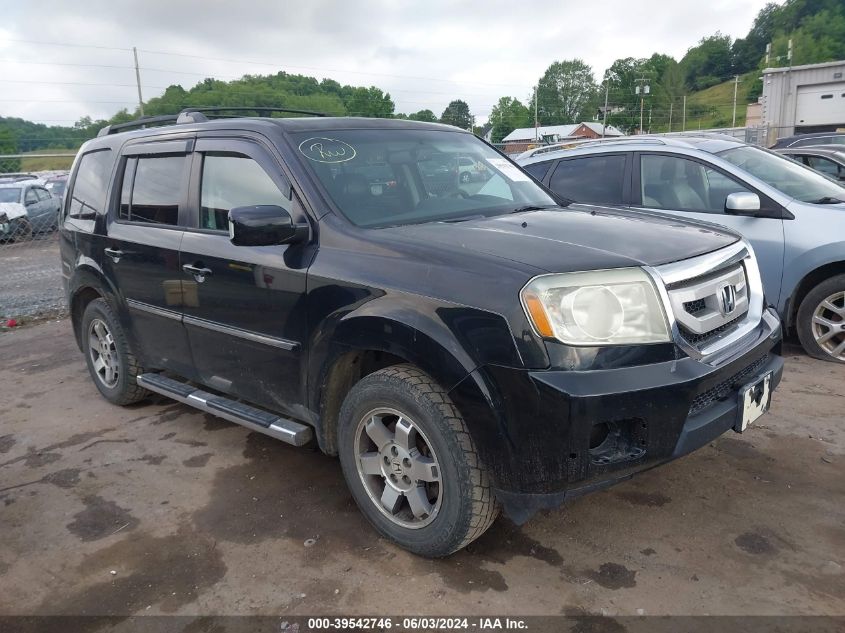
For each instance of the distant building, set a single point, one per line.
(754, 114)
(800, 99)
(526, 138)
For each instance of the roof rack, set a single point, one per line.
(264, 110)
(195, 115)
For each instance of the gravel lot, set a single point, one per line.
(31, 278)
(158, 509)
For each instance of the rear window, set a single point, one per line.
(89, 186)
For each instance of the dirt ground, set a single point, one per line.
(31, 283)
(158, 509)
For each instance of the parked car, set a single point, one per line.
(56, 185)
(460, 351)
(826, 159)
(804, 140)
(40, 207)
(793, 216)
(471, 169)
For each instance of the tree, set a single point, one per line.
(567, 93)
(370, 102)
(8, 145)
(423, 115)
(747, 52)
(457, 113)
(708, 63)
(620, 81)
(506, 116)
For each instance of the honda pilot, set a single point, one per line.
(465, 348)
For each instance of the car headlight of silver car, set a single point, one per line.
(603, 307)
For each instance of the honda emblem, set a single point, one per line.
(727, 299)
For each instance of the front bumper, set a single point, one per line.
(551, 447)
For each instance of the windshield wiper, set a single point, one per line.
(532, 207)
(827, 200)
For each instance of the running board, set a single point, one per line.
(254, 419)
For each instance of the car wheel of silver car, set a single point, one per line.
(21, 230)
(821, 320)
(111, 363)
(410, 463)
(465, 176)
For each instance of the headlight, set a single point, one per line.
(602, 307)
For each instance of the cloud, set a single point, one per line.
(424, 54)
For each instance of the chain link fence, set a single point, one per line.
(31, 195)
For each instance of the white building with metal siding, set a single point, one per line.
(807, 98)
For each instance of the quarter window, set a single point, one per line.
(538, 170)
(234, 180)
(88, 193)
(593, 179)
(153, 194)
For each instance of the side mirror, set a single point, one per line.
(742, 203)
(264, 225)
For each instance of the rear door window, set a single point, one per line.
(591, 179)
(152, 189)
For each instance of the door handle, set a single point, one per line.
(113, 253)
(198, 272)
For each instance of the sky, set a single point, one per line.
(60, 61)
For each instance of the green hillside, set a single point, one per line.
(713, 107)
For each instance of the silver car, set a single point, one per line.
(34, 209)
(793, 216)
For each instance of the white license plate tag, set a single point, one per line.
(754, 401)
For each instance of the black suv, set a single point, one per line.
(462, 346)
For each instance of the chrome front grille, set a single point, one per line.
(713, 301)
(717, 299)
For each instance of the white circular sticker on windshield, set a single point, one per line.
(326, 150)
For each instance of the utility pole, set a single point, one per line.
(642, 89)
(671, 104)
(536, 120)
(736, 85)
(138, 81)
(604, 119)
(684, 120)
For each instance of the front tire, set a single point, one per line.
(111, 363)
(411, 465)
(21, 230)
(821, 320)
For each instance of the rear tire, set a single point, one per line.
(820, 321)
(111, 363)
(420, 482)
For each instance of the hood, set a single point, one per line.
(12, 210)
(575, 238)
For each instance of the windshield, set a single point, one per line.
(10, 194)
(784, 174)
(391, 177)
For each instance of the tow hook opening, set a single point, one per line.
(617, 441)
